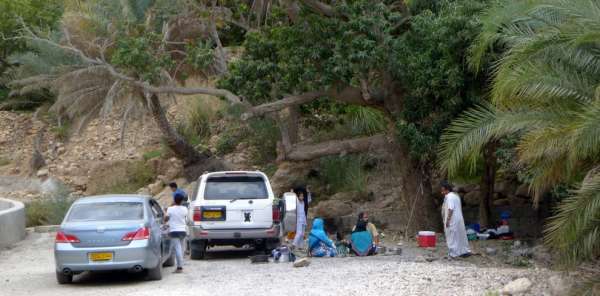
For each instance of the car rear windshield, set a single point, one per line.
(235, 187)
(106, 211)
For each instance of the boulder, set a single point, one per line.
(501, 202)
(79, 183)
(156, 187)
(516, 287)
(288, 174)
(491, 251)
(42, 173)
(558, 286)
(302, 262)
(472, 198)
(505, 187)
(332, 209)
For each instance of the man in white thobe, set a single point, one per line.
(454, 224)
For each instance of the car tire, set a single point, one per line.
(155, 274)
(170, 262)
(64, 279)
(198, 250)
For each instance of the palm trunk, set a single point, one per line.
(487, 184)
(195, 162)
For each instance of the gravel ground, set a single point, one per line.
(28, 269)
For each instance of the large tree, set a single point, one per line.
(545, 94)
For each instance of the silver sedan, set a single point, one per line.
(112, 232)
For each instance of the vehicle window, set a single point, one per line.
(106, 211)
(156, 210)
(235, 187)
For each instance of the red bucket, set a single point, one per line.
(426, 239)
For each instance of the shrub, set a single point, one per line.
(152, 154)
(263, 137)
(4, 161)
(48, 211)
(344, 173)
(226, 143)
(138, 175)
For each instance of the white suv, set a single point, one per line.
(233, 208)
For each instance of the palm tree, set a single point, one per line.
(545, 91)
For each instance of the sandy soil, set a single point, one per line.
(28, 269)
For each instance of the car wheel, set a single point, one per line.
(198, 250)
(63, 279)
(155, 274)
(170, 261)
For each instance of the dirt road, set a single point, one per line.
(28, 270)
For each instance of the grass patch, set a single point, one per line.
(152, 154)
(344, 173)
(227, 143)
(4, 161)
(138, 175)
(48, 211)
(263, 136)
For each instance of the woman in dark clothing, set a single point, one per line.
(361, 240)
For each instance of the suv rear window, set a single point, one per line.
(106, 211)
(235, 187)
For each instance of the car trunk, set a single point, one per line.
(103, 234)
(244, 201)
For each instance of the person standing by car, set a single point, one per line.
(301, 216)
(176, 217)
(176, 190)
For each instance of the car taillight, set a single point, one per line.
(142, 233)
(276, 214)
(63, 238)
(197, 216)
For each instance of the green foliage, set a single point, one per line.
(139, 174)
(545, 95)
(62, 131)
(4, 161)
(135, 54)
(152, 154)
(48, 210)
(344, 173)
(263, 137)
(430, 62)
(200, 55)
(227, 143)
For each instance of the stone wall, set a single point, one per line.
(12, 222)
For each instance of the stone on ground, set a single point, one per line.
(302, 262)
(516, 287)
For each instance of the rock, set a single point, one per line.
(491, 251)
(288, 174)
(466, 188)
(156, 187)
(516, 287)
(42, 173)
(505, 187)
(523, 191)
(61, 150)
(420, 259)
(472, 198)
(302, 262)
(79, 183)
(332, 209)
(558, 286)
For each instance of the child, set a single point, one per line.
(176, 217)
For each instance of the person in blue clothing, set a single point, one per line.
(361, 241)
(319, 244)
(178, 191)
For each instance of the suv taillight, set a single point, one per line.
(197, 216)
(142, 233)
(63, 238)
(276, 214)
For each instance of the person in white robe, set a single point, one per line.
(454, 224)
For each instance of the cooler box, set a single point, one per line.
(426, 239)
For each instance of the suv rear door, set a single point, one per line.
(245, 201)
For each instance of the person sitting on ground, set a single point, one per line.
(177, 191)
(319, 244)
(361, 241)
(364, 216)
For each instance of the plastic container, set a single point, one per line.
(426, 239)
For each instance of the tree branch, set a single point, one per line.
(231, 97)
(302, 152)
(320, 7)
(349, 94)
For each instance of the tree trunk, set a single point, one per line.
(195, 162)
(487, 184)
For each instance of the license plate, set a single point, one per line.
(212, 215)
(101, 256)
